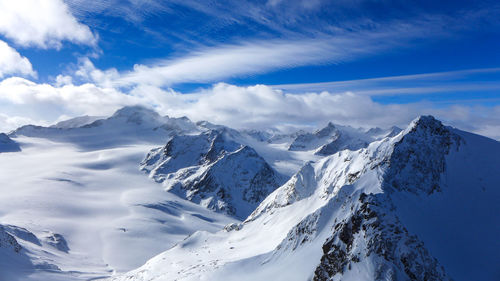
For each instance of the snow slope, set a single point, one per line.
(83, 186)
(421, 205)
(76, 122)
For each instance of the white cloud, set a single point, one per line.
(9, 123)
(44, 102)
(11, 62)
(42, 23)
(88, 72)
(62, 80)
(262, 106)
(426, 83)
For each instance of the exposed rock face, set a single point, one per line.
(370, 229)
(371, 232)
(8, 242)
(418, 159)
(213, 170)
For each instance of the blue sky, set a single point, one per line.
(375, 63)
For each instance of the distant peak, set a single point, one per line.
(330, 127)
(375, 130)
(393, 131)
(183, 118)
(395, 128)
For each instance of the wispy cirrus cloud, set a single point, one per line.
(478, 80)
(216, 20)
(214, 62)
(220, 62)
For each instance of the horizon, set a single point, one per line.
(282, 130)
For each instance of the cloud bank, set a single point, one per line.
(47, 103)
(256, 106)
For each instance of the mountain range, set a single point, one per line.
(140, 196)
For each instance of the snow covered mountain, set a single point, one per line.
(7, 144)
(420, 205)
(334, 138)
(132, 124)
(83, 185)
(213, 170)
(112, 217)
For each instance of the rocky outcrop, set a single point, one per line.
(372, 233)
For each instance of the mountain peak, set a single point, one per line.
(421, 153)
(426, 122)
